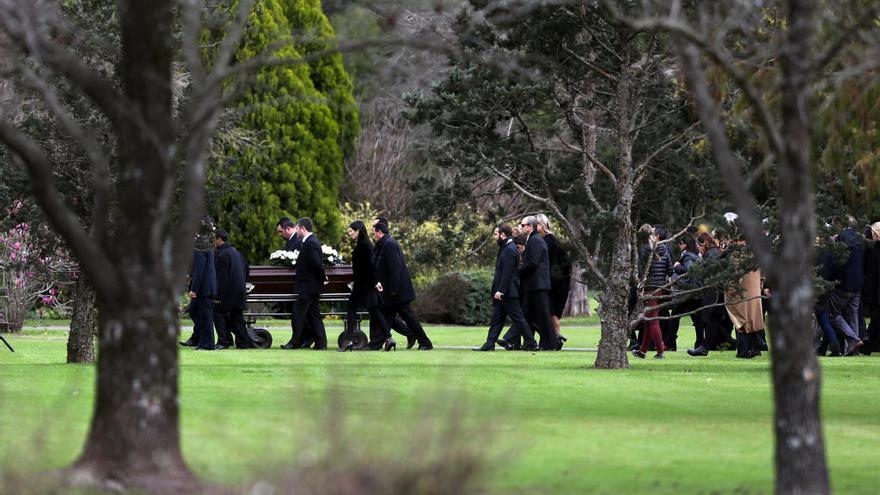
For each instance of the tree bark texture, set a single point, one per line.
(800, 461)
(801, 466)
(83, 326)
(614, 308)
(578, 303)
(134, 436)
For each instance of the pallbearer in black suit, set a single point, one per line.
(363, 291)
(534, 276)
(395, 323)
(505, 294)
(395, 286)
(231, 301)
(309, 280)
(203, 287)
(286, 229)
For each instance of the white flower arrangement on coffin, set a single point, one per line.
(329, 256)
(284, 258)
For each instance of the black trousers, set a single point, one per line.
(391, 311)
(229, 324)
(507, 306)
(201, 310)
(522, 335)
(538, 316)
(306, 311)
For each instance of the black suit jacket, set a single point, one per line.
(392, 272)
(202, 275)
(506, 265)
(534, 272)
(232, 272)
(309, 278)
(293, 243)
(363, 291)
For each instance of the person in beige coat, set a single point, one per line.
(747, 314)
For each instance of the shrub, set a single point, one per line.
(459, 298)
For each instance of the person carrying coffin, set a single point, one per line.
(309, 280)
(232, 271)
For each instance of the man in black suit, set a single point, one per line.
(534, 276)
(395, 323)
(203, 288)
(232, 271)
(505, 293)
(395, 285)
(287, 230)
(308, 282)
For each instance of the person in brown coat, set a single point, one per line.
(747, 314)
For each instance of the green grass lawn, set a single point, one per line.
(546, 422)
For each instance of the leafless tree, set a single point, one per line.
(137, 267)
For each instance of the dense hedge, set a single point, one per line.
(458, 298)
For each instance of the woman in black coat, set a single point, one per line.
(363, 290)
(560, 272)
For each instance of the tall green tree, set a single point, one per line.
(303, 118)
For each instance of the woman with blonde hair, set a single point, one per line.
(560, 272)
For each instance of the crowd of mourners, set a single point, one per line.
(677, 278)
(732, 316)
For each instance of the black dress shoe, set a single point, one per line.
(289, 346)
(221, 347)
(638, 353)
(390, 345)
(485, 347)
(203, 348)
(531, 348)
(426, 347)
(505, 344)
(410, 341)
(188, 343)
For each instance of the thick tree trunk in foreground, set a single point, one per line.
(134, 436)
(801, 466)
(83, 327)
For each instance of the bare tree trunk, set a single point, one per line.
(614, 307)
(134, 437)
(801, 466)
(81, 339)
(578, 302)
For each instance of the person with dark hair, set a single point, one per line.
(395, 287)
(363, 291)
(309, 279)
(504, 292)
(231, 301)
(394, 323)
(286, 229)
(203, 287)
(655, 259)
(534, 276)
(686, 302)
(846, 297)
(716, 323)
(871, 290)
